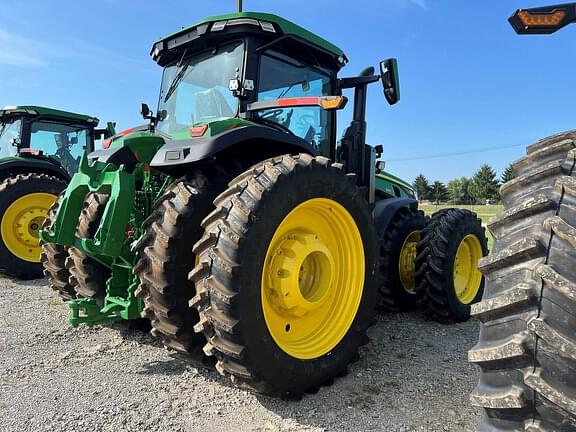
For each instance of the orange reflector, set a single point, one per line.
(31, 151)
(106, 143)
(541, 20)
(326, 102)
(198, 131)
(331, 102)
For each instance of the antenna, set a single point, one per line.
(239, 3)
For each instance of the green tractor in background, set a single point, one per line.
(527, 344)
(40, 150)
(242, 228)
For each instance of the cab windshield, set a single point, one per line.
(63, 142)
(196, 89)
(9, 130)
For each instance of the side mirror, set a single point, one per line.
(144, 110)
(147, 114)
(390, 80)
(380, 166)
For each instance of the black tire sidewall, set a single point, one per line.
(459, 310)
(404, 225)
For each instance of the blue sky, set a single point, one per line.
(468, 82)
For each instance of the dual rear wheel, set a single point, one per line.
(283, 275)
(432, 263)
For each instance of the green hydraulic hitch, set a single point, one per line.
(119, 303)
(103, 178)
(131, 192)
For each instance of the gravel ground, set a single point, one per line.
(413, 376)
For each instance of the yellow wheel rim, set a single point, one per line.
(313, 278)
(21, 223)
(467, 277)
(406, 266)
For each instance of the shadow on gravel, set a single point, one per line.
(169, 367)
(408, 357)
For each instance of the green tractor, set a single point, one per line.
(242, 228)
(40, 149)
(527, 344)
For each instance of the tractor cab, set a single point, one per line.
(230, 75)
(47, 134)
(250, 66)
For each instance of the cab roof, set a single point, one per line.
(36, 110)
(267, 23)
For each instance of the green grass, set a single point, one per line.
(484, 212)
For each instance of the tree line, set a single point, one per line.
(481, 188)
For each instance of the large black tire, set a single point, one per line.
(88, 276)
(527, 345)
(229, 276)
(397, 288)
(54, 258)
(436, 259)
(166, 257)
(12, 189)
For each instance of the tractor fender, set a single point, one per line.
(256, 140)
(384, 211)
(20, 165)
(117, 156)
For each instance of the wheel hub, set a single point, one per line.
(406, 265)
(302, 273)
(21, 223)
(313, 278)
(467, 277)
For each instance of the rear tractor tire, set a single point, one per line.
(527, 344)
(88, 276)
(448, 281)
(25, 200)
(397, 284)
(286, 285)
(166, 257)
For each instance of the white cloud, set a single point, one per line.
(20, 51)
(420, 3)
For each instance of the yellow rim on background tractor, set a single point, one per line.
(406, 267)
(22, 221)
(313, 278)
(467, 277)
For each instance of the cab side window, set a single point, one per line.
(283, 77)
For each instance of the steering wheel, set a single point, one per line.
(273, 114)
(306, 120)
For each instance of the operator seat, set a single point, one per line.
(211, 104)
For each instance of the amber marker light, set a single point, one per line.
(543, 20)
(547, 20)
(324, 102)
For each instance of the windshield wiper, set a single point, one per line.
(179, 75)
(176, 81)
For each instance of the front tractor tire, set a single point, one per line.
(397, 283)
(448, 281)
(527, 345)
(25, 200)
(286, 284)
